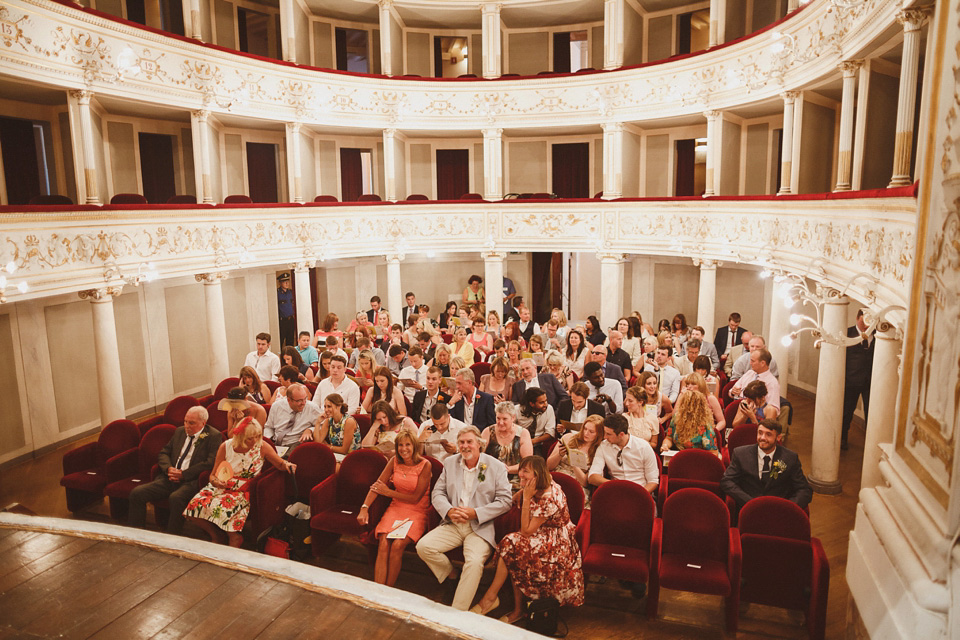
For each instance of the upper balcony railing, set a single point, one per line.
(72, 48)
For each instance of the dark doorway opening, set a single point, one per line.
(453, 173)
(547, 285)
(571, 170)
(262, 172)
(686, 159)
(24, 165)
(157, 169)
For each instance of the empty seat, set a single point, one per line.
(417, 196)
(369, 197)
(471, 196)
(85, 468)
(335, 502)
(128, 198)
(615, 533)
(691, 468)
(467, 75)
(50, 199)
(326, 198)
(182, 199)
(174, 414)
(237, 199)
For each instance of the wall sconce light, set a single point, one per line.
(21, 287)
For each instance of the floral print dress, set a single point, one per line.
(228, 508)
(548, 562)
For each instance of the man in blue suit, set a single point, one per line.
(471, 492)
(469, 404)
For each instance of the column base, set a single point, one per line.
(830, 488)
(842, 187)
(900, 181)
(785, 192)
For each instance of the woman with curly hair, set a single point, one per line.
(692, 425)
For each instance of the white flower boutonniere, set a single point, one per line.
(778, 466)
(480, 476)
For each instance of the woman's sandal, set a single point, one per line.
(479, 608)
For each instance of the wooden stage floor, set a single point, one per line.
(220, 593)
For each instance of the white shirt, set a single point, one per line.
(278, 422)
(417, 375)
(546, 422)
(468, 407)
(532, 384)
(348, 390)
(469, 482)
(432, 446)
(773, 386)
(578, 416)
(610, 388)
(267, 366)
(742, 366)
(639, 462)
(188, 446)
(760, 456)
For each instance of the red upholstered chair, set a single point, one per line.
(480, 369)
(576, 499)
(730, 412)
(472, 196)
(363, 423)
(273, 385)
(218, 418)
(325, 198)
(182, 199)
(725, 392)
(447, 338)
(782, 565)
(238, 199)
(694, 549)
(220, 392)
(174, 413)
(745, 434)
(691, 468)
(416, 196)
(616, 531)
(130, 469)
(85, 468)
(274, 491)
(369, 197)
(128, 198)
(336, 501)
(50, 199)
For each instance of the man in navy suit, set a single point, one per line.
(469, 404)
(766, 469)
(546, 381)
(722, 342)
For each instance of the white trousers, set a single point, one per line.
(432, 549)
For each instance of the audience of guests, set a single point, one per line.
(386, 424)
(506, 441)
(265, 362)
(384, 390)
(754, 408)
(624, 457)
(499, 382)
(592, 331)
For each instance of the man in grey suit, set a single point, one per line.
(192, 450)
(469, 495)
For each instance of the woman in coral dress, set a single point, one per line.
(223, 505)
(410, 474)
(543, 558)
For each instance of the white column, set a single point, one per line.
(612, 159)
(493, 280)
(711, 116)
(884, 382)
(386, 39)
(718, 9)
(779, 328)
(394, 290)
(201, 154)
(90, 180)
(707, 295)
(296, 174)
(493, 164)
(491, 38)
(109, 379)
(390, 164)
(216, 326)
(301, 286)
(786, 157)
(912, 20)
(828, 412)
(193, 23)
(850, 69)
(613, 33)
(611, 288)
(792, 5)
(288, 31)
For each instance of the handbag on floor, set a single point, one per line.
(543, 616)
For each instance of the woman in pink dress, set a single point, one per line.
(410, 474)
(543, 558)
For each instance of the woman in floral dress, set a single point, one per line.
(223, 506)
(542, 559)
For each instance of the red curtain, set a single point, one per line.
(453, 173)
(571, 170)
(351, 175)
(262, 171)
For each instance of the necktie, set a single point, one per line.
(183, 456)
(765, 474)
(416, 376)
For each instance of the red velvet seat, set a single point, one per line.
(725, 392)
(447, 338)
(572, 490)
(745, 434)
(85, 468)
(128, 198)
(238, 199)
(730, 412)
(336, 501)
(326, 198)
(472, 196)
(369, 197)
(480, 369)
(416, 196)
(221, 391)
(130, 469)
(363, 423)
(174, 414)
(782, 565)
(691, 468)
(315, 462)
(182, 199)
(694, 549)
(616, 531)
(273, 385)
(50, 199)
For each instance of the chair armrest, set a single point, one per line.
(123, 465)
(735, 559)
(268, 495)
(820, 587)
(205, 399)
(84, 457)
(662, 491)
(324, 495)
(203, 479)
(376, 510)
(583, 531)
(656, 545)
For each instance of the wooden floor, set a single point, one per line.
(610, 612)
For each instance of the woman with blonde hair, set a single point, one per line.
(641, 421)
(696, 382)
(691, 426)
(587, 440)
(561, 318)
(553, 363)
(223, 505)
(441, 359)
(257, 391)
(366, 369)
(461, 346)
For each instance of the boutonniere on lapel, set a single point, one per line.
(201, 436)
(778, 466)
(480, 476)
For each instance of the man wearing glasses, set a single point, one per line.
(624, 456)
(610, 371)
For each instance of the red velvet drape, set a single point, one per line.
(571, 170)
(453, 173)
(262, 171)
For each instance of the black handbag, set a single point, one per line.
(543, 617)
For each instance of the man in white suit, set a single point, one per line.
(469, 495)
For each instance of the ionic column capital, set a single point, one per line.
(201, 115)
(850, 67)
(711, 114)
(491, 256)
(395, 258)
(706, 264)
(789, 96)
(101, 294)
(913, 19)
(491, 7)
(385, 5)
(212, 277)
(82, 96)
(302, 266)
(829, 295)
(293, 128)
(389, 133)
(492, 133)
(612, 127)
(610, 257)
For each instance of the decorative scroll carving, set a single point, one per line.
(101, 294)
